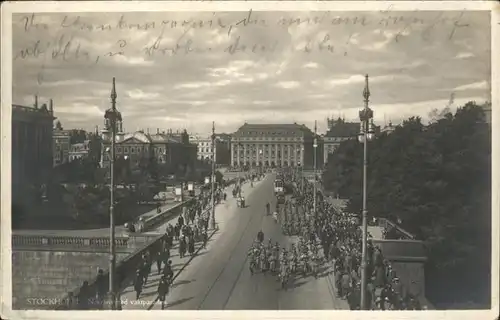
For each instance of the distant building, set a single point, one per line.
(61, 144)
(272, 145)
(90, 149)
(222, 149)
(388, 128)
(172, 149)
(32, 147)
(338, 131)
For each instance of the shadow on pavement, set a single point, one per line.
(297, 284)
(149, 294)
(181, 282)
(201, 253)
(180, 301)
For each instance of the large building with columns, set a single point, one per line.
(273, 145)
(32, 147)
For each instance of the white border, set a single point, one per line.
(108, 6)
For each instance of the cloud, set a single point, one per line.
(288, 84)
(189, 70)
(464, 55)
(482, 85)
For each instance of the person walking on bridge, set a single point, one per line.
(163, 289)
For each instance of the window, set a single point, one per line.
(132, 150)
(119, 149)
(125, 150)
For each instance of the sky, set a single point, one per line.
(177, 70)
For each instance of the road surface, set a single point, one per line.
(221, 279)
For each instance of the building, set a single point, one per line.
(61, 145)
(272, 145)
(32, 147)
(222, 149)
(90, 149)
(338, 131)
(388, 128)
(169, 149)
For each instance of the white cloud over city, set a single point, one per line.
(299, 72)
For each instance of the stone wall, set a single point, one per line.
(49, 274)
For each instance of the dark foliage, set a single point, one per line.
(437, 180)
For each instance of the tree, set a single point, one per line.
(436, 179)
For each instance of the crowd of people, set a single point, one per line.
(340, 237)
(301, 258)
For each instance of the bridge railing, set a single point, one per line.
(161, 217)
(388, 224)
(52, 242)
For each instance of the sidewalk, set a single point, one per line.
(223, 212)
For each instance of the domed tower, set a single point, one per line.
(111, 116)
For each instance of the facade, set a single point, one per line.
(32, 146)
(222, 149)
(61, 145)
(338, 131)
(272, 145)
(389, 128)
(171, 149)
(89, 149)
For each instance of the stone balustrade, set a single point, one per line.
(388, 224)
(51, 242)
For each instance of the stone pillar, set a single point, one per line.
(282, 148)
(245, 153)
(289, 155)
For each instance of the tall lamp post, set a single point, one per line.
(213, 175)
(239, 169)
(366, 134)
(112, 116)
(315, 146)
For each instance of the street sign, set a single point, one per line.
(190, 186)
(207, 180)
(178, 191)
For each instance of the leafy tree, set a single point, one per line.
(437, 180)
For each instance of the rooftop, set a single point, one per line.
(287, 130)
(340, 128)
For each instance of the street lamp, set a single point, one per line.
(315, 146)
(111, 117)
(239, 169)
(213, 175)
(366, 134)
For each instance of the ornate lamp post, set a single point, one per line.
(112, 116)
(315, 146)
(366, 134)
(213, 175)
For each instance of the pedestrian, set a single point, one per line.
(191, 245)
(138, 283)
(160, 258)
(205, 238)
(168, 272)
(182, 247)
(163, 288)
(101, 288)
(84, 298)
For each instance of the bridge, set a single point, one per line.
(54, 263)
